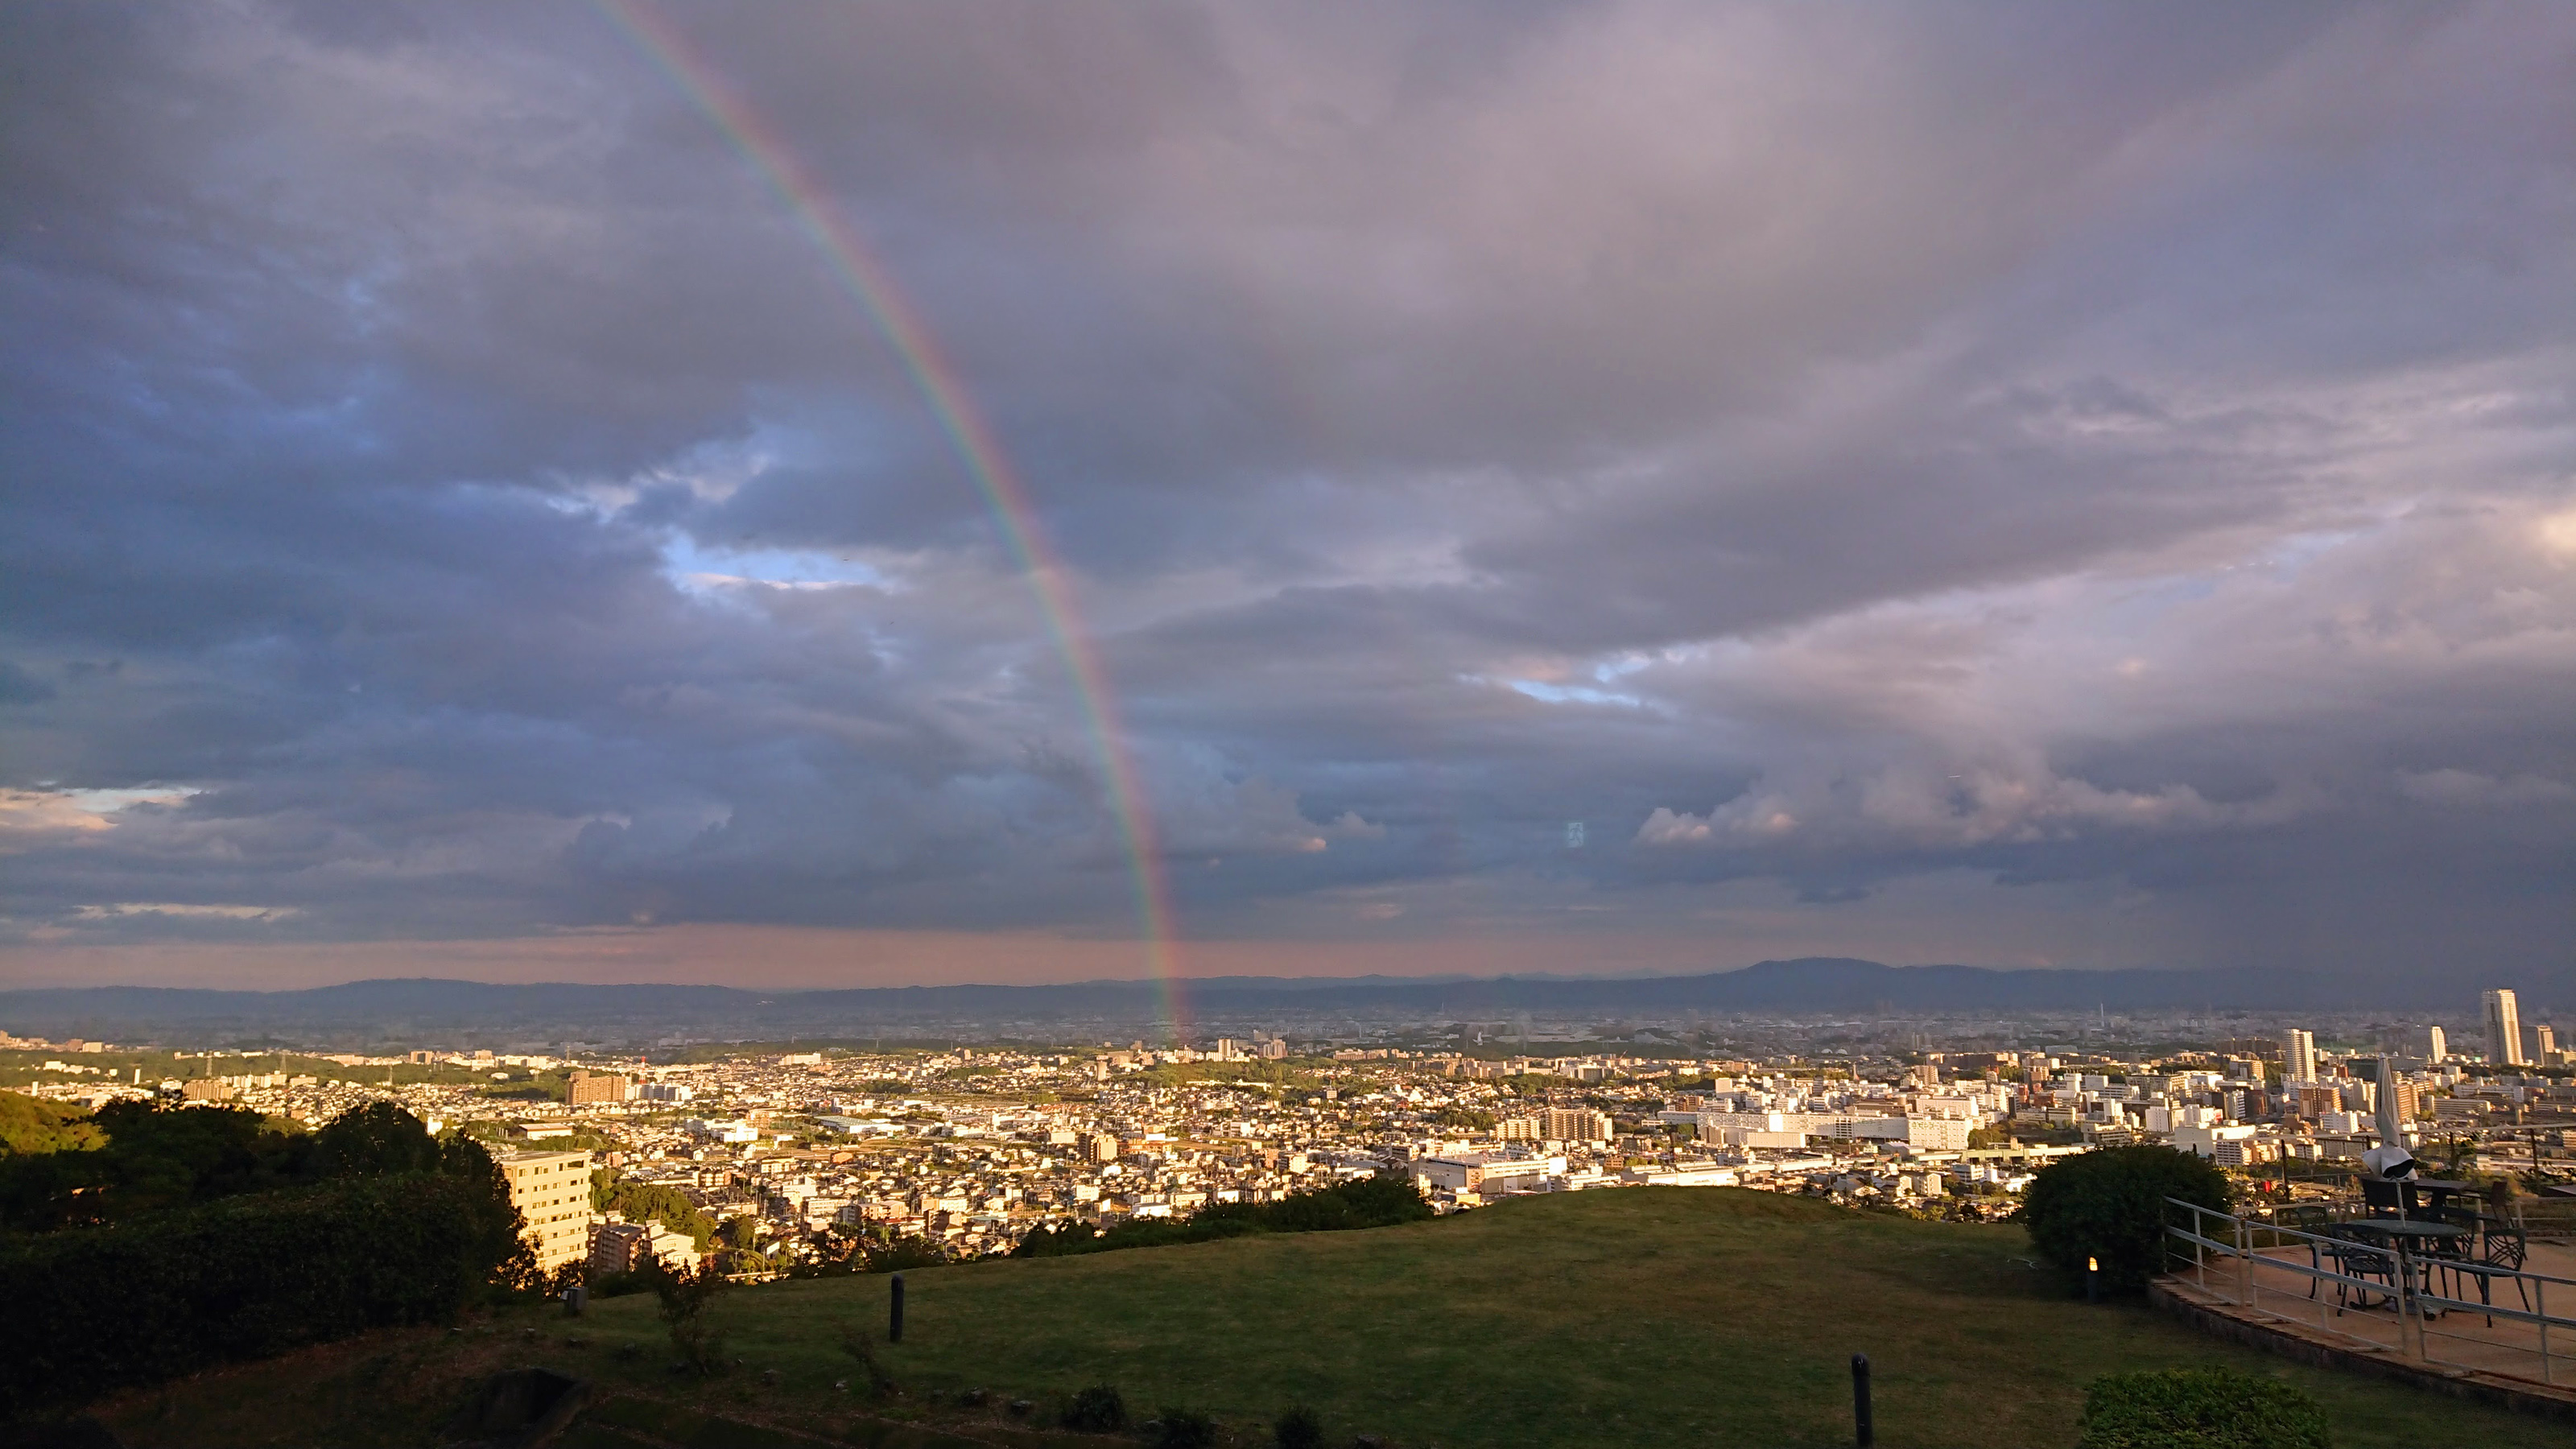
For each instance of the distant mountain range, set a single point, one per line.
(426, 1011)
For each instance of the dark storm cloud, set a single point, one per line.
(2011, 483)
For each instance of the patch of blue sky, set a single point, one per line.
(1573, 694)
(697, 568)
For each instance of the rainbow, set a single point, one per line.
(869, 284)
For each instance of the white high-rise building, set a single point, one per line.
(2504, 1030)
(2437, 1044)
(2298, 1056)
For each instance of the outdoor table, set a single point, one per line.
(2404, 1233)
(2399, 1228)
(2438, 1190)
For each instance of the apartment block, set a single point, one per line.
(594, 1088)
(551, 1190)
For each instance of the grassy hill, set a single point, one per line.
(1640, 1317)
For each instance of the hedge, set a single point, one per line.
(1368, 1202)
(2199, 1409)
(91, 1310)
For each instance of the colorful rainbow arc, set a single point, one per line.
(872, 287)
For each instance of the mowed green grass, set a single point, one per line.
(1702, 1317)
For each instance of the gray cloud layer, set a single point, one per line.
(2095, 486)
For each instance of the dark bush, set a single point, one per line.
(1299, 1428)
(2111, 1205)
(376, 1140)
(1096, 1410)
(1183, 1429)
(2199, 1409)
(1373, 1202)
(96, 1309)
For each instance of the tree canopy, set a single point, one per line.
(2111, 1205)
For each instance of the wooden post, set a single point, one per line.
(1864, 1432)
(894, 1312)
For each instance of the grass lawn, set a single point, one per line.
(1657, 1316)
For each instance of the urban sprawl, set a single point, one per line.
(790, 1156)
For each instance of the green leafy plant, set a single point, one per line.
(2199, 1409)
(2110, 1205)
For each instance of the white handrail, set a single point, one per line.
(2415, 1303)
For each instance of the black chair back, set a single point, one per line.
(2506, 1248)
(2384, 1198)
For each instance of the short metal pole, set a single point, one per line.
(2092, 1280)
(1864, 1432)
(2245, 1262)
(2408, 1305)
(894, 1312)
(2540, 1304)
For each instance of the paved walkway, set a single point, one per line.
(2505, 1353)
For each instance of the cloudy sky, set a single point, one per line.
(2086, 486)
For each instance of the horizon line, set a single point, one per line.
(1148, 982)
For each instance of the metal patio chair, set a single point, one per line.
(2504, 1247)
(2352, 1259)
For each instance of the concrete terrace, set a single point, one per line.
(2271, 1298)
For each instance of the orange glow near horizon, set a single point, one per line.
(806, 958)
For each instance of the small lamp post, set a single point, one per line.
(894, 1312)
(1864, 1432)
(2092, 1280)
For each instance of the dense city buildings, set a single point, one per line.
(779, 1155)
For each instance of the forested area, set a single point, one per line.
(647, 1202)
(147, 1241)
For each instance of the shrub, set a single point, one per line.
(1096, 1410)
(863, 1352)
(2110, 1205)
(2199, 1409)
(1183, 1429)
(685, 1297)
(97, 1309)
(1372, 1202)
(1299, 1428)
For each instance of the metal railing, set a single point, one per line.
(2548, 1217)
(2380, 1293)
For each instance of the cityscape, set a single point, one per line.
(794, 1155)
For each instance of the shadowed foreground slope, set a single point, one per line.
(1645, 1317)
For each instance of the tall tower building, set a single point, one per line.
(2298, 1056)
(2504, 1029)
(2437, 1044)
(2544, 1044)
